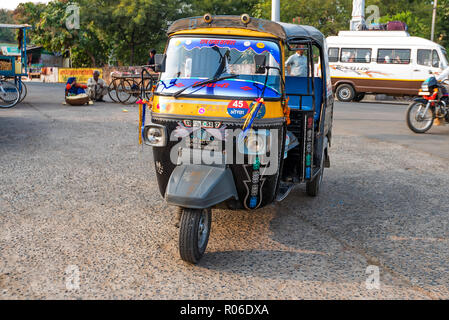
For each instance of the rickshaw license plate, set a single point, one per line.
(201, 137)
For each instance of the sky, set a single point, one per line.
(12, 4)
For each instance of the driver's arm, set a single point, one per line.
(443, 75)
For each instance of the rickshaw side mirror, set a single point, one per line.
(159, 62)
(261, 61)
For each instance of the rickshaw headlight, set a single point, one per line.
(155, 135)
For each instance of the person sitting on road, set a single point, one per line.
(74, 88)
(97, 87)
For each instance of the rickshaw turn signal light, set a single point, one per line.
(245, 18)
(207, 18)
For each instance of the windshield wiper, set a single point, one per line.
(197, 84)
(214, 80)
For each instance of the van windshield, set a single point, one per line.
(195, 59)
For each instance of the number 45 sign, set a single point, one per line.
(238, 108)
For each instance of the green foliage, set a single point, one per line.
(327, 16)
(125, 30)
(221, 7)
(132, 27)
(442, 30)
(6, 35)
(417, 26)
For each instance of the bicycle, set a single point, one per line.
(128, 88)
(9, 94)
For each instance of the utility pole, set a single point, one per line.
(434, 16)
(276, 10)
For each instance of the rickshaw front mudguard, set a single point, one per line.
(200, 186)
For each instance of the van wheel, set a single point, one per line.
(345, 93)
(359, 97)
(194, 233)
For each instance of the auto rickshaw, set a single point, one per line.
(230, 126)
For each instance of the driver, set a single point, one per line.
(296, 64)
(444, 76)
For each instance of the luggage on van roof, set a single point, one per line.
(397, 26)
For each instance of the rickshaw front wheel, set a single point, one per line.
(194, 233)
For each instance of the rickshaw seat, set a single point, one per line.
(296, 90)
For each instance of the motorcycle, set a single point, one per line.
(432, 106)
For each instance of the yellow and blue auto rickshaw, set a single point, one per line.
(235, 123)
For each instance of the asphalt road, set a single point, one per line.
(78, 200)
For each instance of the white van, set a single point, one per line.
(389, 62)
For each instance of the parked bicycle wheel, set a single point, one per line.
(134, 92)
(112, 90)
(23, 91)
(148, 87)
(124, 90)
(9, 94)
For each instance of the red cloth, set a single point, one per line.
(77, 85)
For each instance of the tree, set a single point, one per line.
(222, 7)
(132, 27)
(328, 16)
(417, 26)
(442, 27)
(51, 32)
(6, 35)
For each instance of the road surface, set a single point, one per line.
(81, 216)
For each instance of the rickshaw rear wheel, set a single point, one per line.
(313, 187)
(194, 233)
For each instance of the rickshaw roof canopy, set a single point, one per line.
(14, 26)
(285, 31)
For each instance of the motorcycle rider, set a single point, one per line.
(444, 76)
(444, 94)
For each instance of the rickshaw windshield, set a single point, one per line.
(195, 59)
